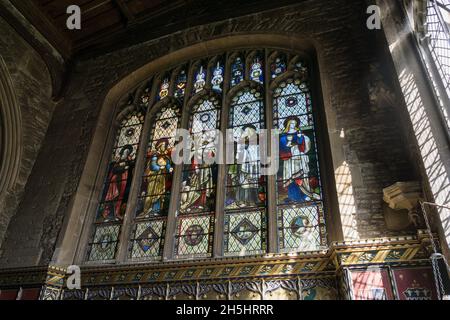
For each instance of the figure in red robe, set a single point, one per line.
(118, 187)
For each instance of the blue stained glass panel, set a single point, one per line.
(279, 66)
(180, 89)
(237, 71)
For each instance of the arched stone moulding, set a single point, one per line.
(74, 236)
(10, 131)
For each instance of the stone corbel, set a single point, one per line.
(405, 197)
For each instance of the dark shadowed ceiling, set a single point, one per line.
(107, 24)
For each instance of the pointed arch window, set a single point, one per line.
(202, 208)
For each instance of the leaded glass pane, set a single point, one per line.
(300, 228)
(148, 240)
(194, 236)
(245, 233)
(105, 243)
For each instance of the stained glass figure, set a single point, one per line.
(164, 89)
(245, 186)
(199, 177)
(194, 236)
(120, 173)
(217, 79)
(158, 173)
(180, 89)
(256, 70)
(298, 180)
(237, 71)
(245, 233)
(298, 187)
(200, 80)
(279, 66)
(114, 199)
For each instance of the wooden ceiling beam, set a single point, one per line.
(45, 26)
(125, 11)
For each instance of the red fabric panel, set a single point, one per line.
(415, 283)
(8, 294)
(31, 294)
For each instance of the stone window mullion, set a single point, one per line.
(272, 229)
(221, 192)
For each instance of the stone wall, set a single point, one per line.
(32, 86)
(373, 151)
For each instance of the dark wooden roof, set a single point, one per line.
(107, 24)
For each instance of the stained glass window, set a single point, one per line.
(154, 198)
(237, 71)
(297, 184)
(300, 208)
(278, 66)
(437, 24)
(256, 69)
(181, 84)
(200, 79)
(116, 190)
(199, 177)
(245, 185)
(217, 78)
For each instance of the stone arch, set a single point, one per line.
(73, 236)
(11, 132)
